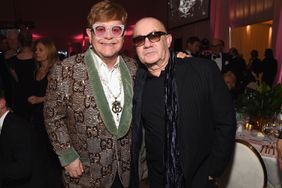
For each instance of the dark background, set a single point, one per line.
(64, 21)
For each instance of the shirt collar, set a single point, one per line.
(99, 62)
(2, 119)
(188, 52)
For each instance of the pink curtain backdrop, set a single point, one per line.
(277, 37)
(219, 20)
(215, 8)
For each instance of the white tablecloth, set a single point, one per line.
(273, 174)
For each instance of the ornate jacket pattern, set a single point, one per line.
(79, 122)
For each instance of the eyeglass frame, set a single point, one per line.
(108, 28)
(159, 34)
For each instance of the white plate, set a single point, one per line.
(257, 135)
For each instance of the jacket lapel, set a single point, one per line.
(126, 115)
(5, 122)
(101, 99)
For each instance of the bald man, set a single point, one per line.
(12, 40)
(8, 75)
(218, 56)
(186, 111)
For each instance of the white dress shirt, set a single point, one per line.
(188, 52)
(218, 60)
(112, 84)
(2, 120)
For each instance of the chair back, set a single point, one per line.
(246, 169)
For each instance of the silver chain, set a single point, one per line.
(116, 104)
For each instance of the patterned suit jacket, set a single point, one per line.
(80, 124)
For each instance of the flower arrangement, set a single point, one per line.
(263, 102)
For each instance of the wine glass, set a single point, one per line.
(270, 130)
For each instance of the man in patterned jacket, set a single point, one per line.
(88, 105)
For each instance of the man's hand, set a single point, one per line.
(10, 53)
(35, 99)
(182, 55)
(74, 169)
(279, 151)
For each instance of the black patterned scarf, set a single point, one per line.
(173, 170)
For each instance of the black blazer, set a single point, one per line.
(207, 123)
(25, 158)
(15, 152)
(225, 59)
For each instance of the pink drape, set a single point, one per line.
(219, 20)
(277, 37)
(215, 15)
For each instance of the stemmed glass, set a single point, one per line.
(271, 131)
(241, 122)
(278, 122)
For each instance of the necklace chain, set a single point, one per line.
(116, 104)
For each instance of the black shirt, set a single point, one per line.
(154, 124)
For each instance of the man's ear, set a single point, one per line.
(89, 34)
(168, 40)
